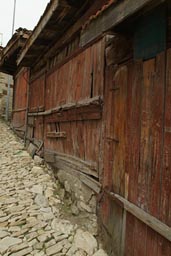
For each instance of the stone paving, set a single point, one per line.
(30, 219)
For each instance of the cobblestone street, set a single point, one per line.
(31, 222)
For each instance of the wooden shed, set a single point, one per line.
(99, 107)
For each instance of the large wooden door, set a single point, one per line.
(137, 164)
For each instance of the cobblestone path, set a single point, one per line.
(30, 220)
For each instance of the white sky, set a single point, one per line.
(28, 13)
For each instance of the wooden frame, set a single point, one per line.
(111, 17)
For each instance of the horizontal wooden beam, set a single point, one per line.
(111, 17)
(19, 110)
(149, 220)
(61, 160)
(37, 109)
(85, 179)
(95, 101)
(91, 112)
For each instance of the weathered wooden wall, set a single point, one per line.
(137, 154)
(37, 94)
(113, 115)
(70, 99)
(20, 101)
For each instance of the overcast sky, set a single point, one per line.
(28, 13)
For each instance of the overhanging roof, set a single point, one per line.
(116, 13)
(57, 18)
(9, 54)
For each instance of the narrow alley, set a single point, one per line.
(85, 148)
(31, 217)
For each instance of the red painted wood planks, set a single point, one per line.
(119, 134)
(165, 210)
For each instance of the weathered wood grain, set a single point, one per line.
(20, 101)
(36, 97)
(108, 115)
(71, 165)
(130, 238)
(133, 127)
(165, 206)
(120, 135)
(96, 101)
(156, 137)
(74, 163)
(146, 139)
(149, 220)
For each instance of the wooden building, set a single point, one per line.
(99, 107)
(8, 65)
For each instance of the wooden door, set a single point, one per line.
(137, 159)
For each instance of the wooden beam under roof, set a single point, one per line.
(113, 16)
(53, 5)
(72, 31)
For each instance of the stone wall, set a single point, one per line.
(83, 198)
(4, 92)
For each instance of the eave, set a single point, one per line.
(115, 14)
(9, 54)
(57, 18)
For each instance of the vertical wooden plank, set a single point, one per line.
(78, 84)
(74, 79)
(133, 147)
(62, 84)
(140, 230)
(98, 67)
(37, 93)
(71, 83)
(146, 143)
(74, 139)
(95, 69)
(47, 91)
(152, 242)
(133, 127)
(165, 210)
(108, 122)
(81, 74)
(118, 134)
(140, 242)
(80, 140)
(130, 238)
(164, 247)
(20, 100)
(85, 139)
(87, 76)
(53, 90)
(119, 123)
(57, 76)
(95, 137)
(156, 136)
(63, 127)
(110, 211)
